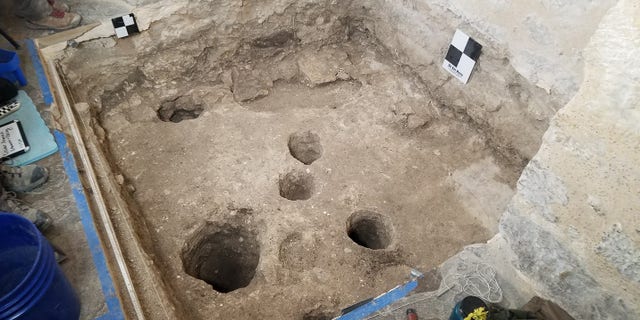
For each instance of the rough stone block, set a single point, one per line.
(617, 247)
(249, 85)
(324, 66)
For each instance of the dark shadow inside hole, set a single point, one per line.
(179, 109)
(369, 230)
(181, 115)
(226, 257)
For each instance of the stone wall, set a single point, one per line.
(574, 223)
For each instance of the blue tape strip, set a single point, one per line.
(42, 77)
(111, 299)
(380, 302)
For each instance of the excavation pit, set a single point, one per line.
(223, 256)
(305, 115)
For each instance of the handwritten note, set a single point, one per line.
(12, 142)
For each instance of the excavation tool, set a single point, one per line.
(367, 307)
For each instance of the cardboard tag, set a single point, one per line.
(462, 56)
(12, 140)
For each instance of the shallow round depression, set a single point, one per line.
(224, 256)
(296, 185)
(305, 146)
(370, 229)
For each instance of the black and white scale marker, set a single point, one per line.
(462, 56)
(125, 25)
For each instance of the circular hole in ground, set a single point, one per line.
(224, 256)
(179, 109)
(305, 146)
(296, 185)
(369, 229)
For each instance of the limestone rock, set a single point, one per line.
(324, 66)
(618, 248)
(543, 189)
(249, 85)
(416, 121)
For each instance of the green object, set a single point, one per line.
(466, 306)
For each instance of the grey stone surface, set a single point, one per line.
(571, 221)
(558, 272)
(543, 189)
(543, 258)
(618, 248)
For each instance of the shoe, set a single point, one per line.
(59, 5)
(57, 20)
(23, 179)
(10, 203)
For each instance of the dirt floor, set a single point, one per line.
(294, 180)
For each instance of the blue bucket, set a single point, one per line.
(10, 67)
(32, 285)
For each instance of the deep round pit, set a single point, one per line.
(224, 256)
(370, 230)
(296, 185)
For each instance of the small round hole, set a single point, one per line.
(180, 109)
(305, 146)
(369, 229)
(296, 185)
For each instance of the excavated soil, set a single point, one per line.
(289, 179)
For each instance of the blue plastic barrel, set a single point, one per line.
(32, 285)
(10, 67)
